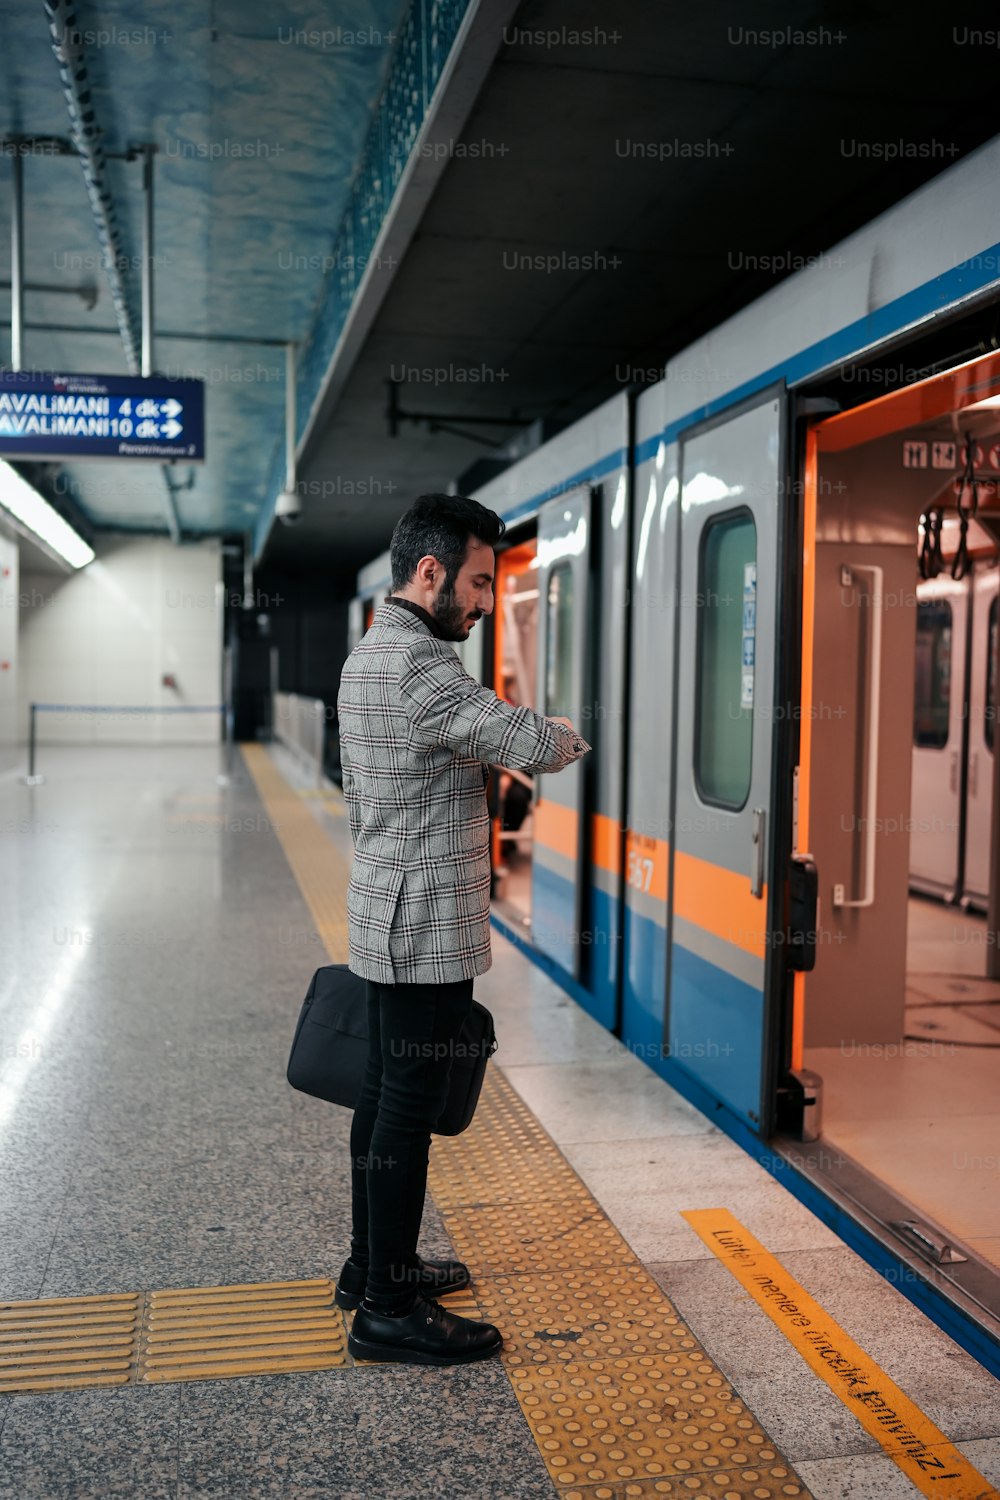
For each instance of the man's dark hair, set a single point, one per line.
(440, 526)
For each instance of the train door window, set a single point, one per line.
(991, 680)
(559, 643)
(932, 696)
(725, 655)
(517, 629)
(515, 661)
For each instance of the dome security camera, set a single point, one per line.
(289, 508)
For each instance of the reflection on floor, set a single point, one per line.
(923, 1115)
(944, 939)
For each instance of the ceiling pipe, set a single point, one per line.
(70, 55)
(17, 264)
(69, 51)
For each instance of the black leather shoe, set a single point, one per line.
(434, 1278)
(427, 1335)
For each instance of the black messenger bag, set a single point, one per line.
(330, 1049)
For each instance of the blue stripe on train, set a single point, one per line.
(554, 931)
(716, 1027)
(715, 1020)
(845, 343)
(643, 998)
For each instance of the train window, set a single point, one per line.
(991, 680)
(725, 650)
(932, 685)
(559, 643)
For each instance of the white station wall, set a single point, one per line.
(108, 633)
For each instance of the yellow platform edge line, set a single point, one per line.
(318, 868)
(909, 1437)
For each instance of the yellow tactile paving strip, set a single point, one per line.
(64, 1342)
(217, 1332)
(621, 1398)
(197, 1333)
(316, 865)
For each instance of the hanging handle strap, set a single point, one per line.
(967, 485)
(931, 558)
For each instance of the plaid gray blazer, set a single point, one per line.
(415, 733)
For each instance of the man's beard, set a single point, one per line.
(452, 619)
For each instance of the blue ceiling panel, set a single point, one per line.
(259, 114)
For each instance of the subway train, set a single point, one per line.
(735, 582)
(953, 718)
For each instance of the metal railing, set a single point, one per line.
(300, 725)
(127, 710)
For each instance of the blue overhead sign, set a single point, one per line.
(100, 416)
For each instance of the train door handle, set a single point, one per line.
(974, 773)
(953, 772)
(757, 852)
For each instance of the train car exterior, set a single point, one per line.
(689, 539)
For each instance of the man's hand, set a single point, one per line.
(580, 746)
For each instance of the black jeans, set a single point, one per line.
(412, 1031)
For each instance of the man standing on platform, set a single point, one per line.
(417, 734)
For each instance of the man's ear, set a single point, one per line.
(427, 571)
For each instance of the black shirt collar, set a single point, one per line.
(421, 614)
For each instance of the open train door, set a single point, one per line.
(564, 605)
(721, 1015)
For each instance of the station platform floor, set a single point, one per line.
(159, 932)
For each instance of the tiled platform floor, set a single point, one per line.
(156, 951)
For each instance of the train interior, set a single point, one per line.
(512, 794)
(901, 1015)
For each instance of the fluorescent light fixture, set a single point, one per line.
(33, 511)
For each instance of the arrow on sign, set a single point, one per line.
(172, 408)
(171, 429)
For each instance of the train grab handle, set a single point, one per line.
(847, 577)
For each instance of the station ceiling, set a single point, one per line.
(628, 177)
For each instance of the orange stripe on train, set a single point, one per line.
(556, 827)
(710, 897)
(646, 863)
(719, 901)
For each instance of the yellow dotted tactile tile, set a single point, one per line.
(504, 1158)
(624, 1420)
(62, 1342)
(620, 1397)
(582, 1315)
(511, 1237)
